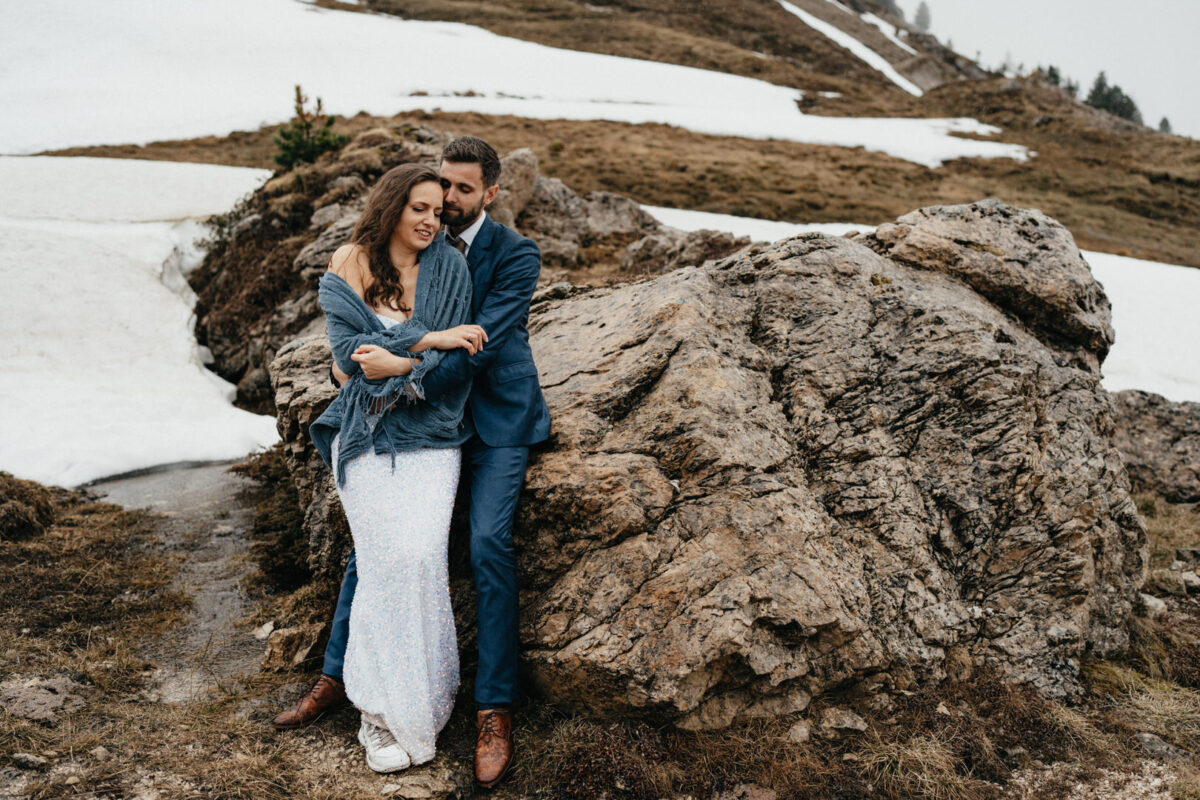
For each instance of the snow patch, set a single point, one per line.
(142, 70)
(1154, 314)
(889, 30)
(99, 370)
(860, 50)
(760, 230)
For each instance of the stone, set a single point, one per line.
(747, 791)
(1160, 442)
(1166, 582)
(100, 753)
(313, 260)
(263, 631)
(327, 215)
(289, 648)
(799, 732)
(1156, 747)
(1029, 266)
(41, 699)
(837, 723)
(300, 379)
(436, 781)
(1188, 555)
(29, 761)
(518, 174)
(1155, 607)
(564, 224)
(668, 249)
(812, 465)
(1191, 581)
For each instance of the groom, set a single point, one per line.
(509, 414)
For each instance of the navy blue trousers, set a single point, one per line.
(493, 478)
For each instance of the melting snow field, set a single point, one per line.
(99, 370)
(760, 230)
(860, 50)
(134, 71)
(1154, 305)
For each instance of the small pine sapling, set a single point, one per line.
(306, 137)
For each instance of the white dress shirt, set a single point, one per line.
(470, 233)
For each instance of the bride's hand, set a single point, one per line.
(378, 363)
(470, 337)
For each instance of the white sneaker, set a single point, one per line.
(384, 753)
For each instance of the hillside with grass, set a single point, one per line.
(1119, 187)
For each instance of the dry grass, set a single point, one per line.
(1186, 785)
(1168, 526)
(1107, 189)
(959, 741)
(922, 766)
(1135, 702)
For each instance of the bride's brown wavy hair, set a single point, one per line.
(385, 204)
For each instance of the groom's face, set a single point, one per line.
(463, 193)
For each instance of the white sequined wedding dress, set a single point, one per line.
(401, 667)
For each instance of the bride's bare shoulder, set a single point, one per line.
(350, 262)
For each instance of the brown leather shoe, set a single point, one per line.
(326, 695)
(494, 747)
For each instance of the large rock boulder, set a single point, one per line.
(1160, 441)
(576, 230)
(811, 466)
(518, 174)
(670, 248)
(300, 378)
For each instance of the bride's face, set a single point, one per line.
(421, 218)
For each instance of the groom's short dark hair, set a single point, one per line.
(473, 150)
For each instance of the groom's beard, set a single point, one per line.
(458, 219)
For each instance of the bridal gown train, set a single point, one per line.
(401, 667)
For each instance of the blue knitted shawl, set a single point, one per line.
(391, 414)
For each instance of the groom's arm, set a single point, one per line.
(506, 304)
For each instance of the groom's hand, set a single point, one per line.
(468, 337)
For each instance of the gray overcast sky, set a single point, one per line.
(1150, 48)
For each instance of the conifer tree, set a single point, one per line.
(1164, 126)
(1053, 76)
(922, 20)
(1109, 97)
(302, 139)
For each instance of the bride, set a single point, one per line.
(398, 290)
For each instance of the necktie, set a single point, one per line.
(457, 243)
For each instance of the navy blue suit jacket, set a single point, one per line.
(506, 403)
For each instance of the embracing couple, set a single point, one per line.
(431, 350)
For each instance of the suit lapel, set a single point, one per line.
(481, 261)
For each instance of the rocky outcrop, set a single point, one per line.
(821, 463)
(518, 175)
(300, 377)
(566, 226)
(669, 248)
(257, 287)
(1160, 442)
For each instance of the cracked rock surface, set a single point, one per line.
(816, 464)
(1160, 441)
